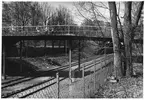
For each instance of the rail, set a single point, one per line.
(47, 82)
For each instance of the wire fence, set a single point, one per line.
(83, 84)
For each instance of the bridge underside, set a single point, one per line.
(7, 41)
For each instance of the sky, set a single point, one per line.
(78, 18)
(71, 7)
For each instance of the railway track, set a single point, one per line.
(76, 63)
(12, 80)
(33, 88)
(18, 80)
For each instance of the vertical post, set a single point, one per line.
(26, 48)
(70, 73)
(83, 75)
(79, 58)
(45, 47)
(94, 75)
(4, 74)
(20, 55)
(105, 50)
(45, 43)
(59, 43)
(66, 47)
(105, 54)
(57, 77)
(21, 49)
(70, 59)
(68, 29)
(52, 42)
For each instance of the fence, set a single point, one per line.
(55, 30)
(83, 84)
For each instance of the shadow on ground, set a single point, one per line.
(13, 69)
(16, 67)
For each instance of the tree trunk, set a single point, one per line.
(127, 38)
(115, 38)
(137, 17)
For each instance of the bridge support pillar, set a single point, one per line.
(70, 59)
(20, 56)
(71, 73)
(3, 64)
(79, 56)
(65, 47)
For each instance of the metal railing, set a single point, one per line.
(51, 30)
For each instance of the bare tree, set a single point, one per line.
(47, 11)
(93, 12)
(127, 37)
(129, 28)
(127, 31)
(115, 38)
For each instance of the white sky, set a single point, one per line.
(78, 19)
(68, 5)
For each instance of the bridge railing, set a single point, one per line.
(51, 30)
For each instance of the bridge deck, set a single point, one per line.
(13, 39)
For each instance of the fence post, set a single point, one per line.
(70, 54)
(26, 49)
(105, 54)
(79, 56)
(57, 77)
(66, 46)
(4, 71)
(83, 75)
(68, 29)
(21, 56)
(94, 75)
